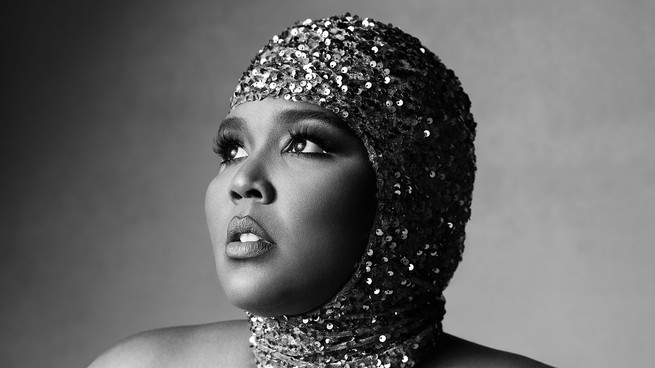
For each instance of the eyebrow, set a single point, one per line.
(231, 123)
(293, 116)
(290, 117)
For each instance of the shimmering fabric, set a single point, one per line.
(413, 117)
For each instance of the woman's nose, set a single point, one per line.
(251, 182)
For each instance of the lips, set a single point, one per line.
(246, 239)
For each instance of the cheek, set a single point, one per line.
(217, 202)
(331, 212)
(211, 204)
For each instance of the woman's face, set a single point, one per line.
(291, 207)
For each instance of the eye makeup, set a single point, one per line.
(314, 127)
(226, 145)
(312, 133)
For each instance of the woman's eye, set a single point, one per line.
(302, 145)
(235, 152)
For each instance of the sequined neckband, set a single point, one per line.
(413, 117)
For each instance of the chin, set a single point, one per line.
(263, 303)
(255, 293)
(266, 296)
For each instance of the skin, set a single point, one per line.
(314, 196)
(317, 210)
(225, 344)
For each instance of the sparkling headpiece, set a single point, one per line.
(413, 117)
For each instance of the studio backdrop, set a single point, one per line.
(110, 109)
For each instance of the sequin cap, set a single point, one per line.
(414, 120)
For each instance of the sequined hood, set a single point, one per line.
(414, 120)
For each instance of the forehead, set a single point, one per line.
(271, 107)
(280, 112)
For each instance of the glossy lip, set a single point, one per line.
(244, 250)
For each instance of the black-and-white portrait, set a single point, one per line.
(328, 184)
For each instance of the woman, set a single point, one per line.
(337, 216)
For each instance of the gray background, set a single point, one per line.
(110, 108)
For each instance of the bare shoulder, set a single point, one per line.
(456, 352)
(184, 346)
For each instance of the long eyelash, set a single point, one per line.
(224, 142)
(310, 134)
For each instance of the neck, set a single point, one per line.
(349, 333)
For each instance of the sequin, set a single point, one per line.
(352, 66)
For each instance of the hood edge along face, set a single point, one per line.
(414, 119)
